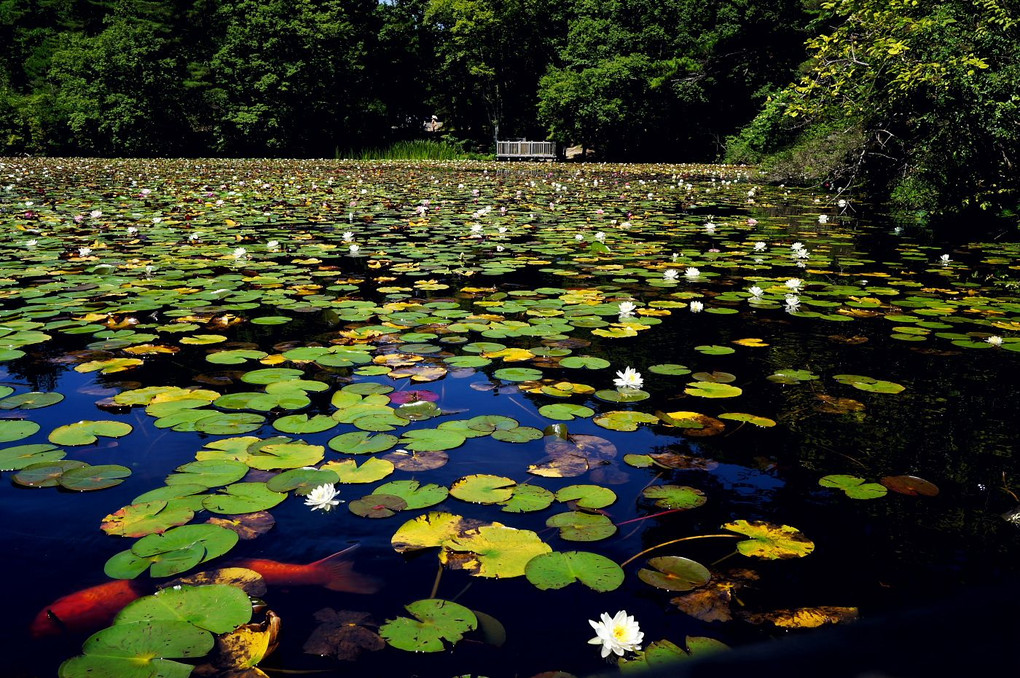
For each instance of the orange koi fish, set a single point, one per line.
(97, 606)
(335, 572)
(85, 610)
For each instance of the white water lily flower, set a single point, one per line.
(692, 272)
(500, 248)
(823, 218)
(354, 248)
(501, 229)
(760, 246)
(710, 227)
(84, 251)
(696, 306)
(273, 244)
(627, 308)
(674, 256)
(617, 635)
(841, 203)
(756, 291)
(323, 497)
(792, 302)
(797, 246)
(994, 340)
(348, 236)
(240, 253)
(794, 283)
(476, 228)
(193, 237)
(802, 253)
(32, 243)
(629, 378)
(579, 237)
(600, 236)
(671, 274)
(95, 214)
(131, 230)
(944, 260)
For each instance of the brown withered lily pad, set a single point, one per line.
(343, 634)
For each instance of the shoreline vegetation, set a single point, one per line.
(913, 104)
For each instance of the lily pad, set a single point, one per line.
(483, 489)
(675, 496)
(556, 570)
(88, 478)
(15, 429)
(436, 624)
(217, 608)
(493, 550)
(854, 487)
(579, 526)
(674, 573)
(140, 650)
(771, 542)
(587, 496)
(20, 456)
(415, 495)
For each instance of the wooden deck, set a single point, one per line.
(525, 150)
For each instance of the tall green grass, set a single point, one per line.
(422, 149)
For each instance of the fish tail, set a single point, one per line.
(339, 575)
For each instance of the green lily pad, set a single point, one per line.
(217, 607)
(669, 369)
(483, 489)
(270, 375)
(242, 498)
(587, 496)
(674, 573)
(436, 624)
(282, 455)
(710, 389)
(234, 423)
(586, 362)
(430, 440)
(31, 401)
(674, 496)
(854, 487)
(16, 429)
(301, 480)
(371, 470)
(555, 570)
(714, 350)
(20, 456)
(88, 432)
(88, 478)
(624, 420)
(45, 474)
(361, 442)
(521, 434)
(235, 356)
(415, 495)
(208, 473)
(147, 517)
(302, 423)
(565, 411)
(175, 551)
(869, 384)
(527, 498)
(377, 505)
(517, 374)
(579, 526)
(140, 650)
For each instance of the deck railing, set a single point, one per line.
(526, 149)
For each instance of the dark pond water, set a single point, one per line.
(897, 358)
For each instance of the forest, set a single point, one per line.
(914, 101)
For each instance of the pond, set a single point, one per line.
(434, 418)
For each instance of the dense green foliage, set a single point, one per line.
(629, 79)
(916, 99)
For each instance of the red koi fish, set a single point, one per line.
(96, 607)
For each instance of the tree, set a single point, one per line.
(929, 90)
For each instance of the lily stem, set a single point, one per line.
(676, 541)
